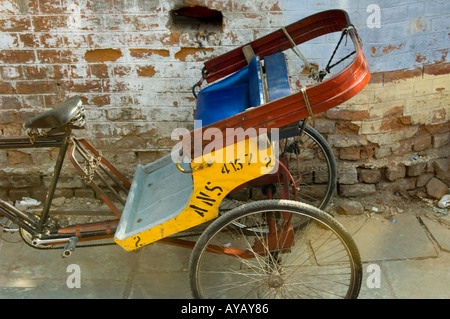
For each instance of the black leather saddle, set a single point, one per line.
(58, 116)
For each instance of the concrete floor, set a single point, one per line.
(412, 256)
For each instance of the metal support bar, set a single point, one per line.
(25, 142)
(57, 171)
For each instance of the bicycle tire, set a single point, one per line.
(205, 279)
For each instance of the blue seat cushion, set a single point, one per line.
(223, 99)
(255, 78)
(277, 76)
(231, 95)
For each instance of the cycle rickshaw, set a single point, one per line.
(272, 248)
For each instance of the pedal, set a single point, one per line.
(70, 247)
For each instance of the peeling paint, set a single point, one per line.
(145, 53)
(185, 52)
(103, 55)
(420, 25)
(444, 53)
(391, 48)
(420, 58)
(374, 50)
(146, 71)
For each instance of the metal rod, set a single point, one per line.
(57, 171)
(10, 211)
(25, 142)
(96, 188)
(125, 182)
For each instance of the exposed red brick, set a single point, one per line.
(83, 86)
(249, 15)
(147, 71)
(58, 72)
(395, 172)
(35, 87)
(367, 152)
(404, 148)
(275, 7)
(369, 176)
(10, 102)
(350, 153)
(394, 119)
(51, 7)
(400, 122)
(15, 24)
(35, 72)
(11, 73)
(122, 70)
(145, 53)
(6, 88)
(99, 70)
(185, 52)
(422, 143)
(393, 76)
(44, 63)
(115, 85)
(395, 111)
(102, 55)
(52, 100)
(101, 100)
(29, 40)
(49, 23)
(434, 129)
(16, 56)
(350, 115)
(437, 69)
(55, 56)
(438, 116)
(171, 39)
(377, 77)
(347, 128)
(52, 40)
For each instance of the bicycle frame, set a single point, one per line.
(68, 144)
(59, 141)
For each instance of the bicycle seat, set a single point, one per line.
(61, 115)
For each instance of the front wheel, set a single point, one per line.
(272, 259)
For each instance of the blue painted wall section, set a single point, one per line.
(396, 34)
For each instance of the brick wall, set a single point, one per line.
(395, 134)
(134, 66)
